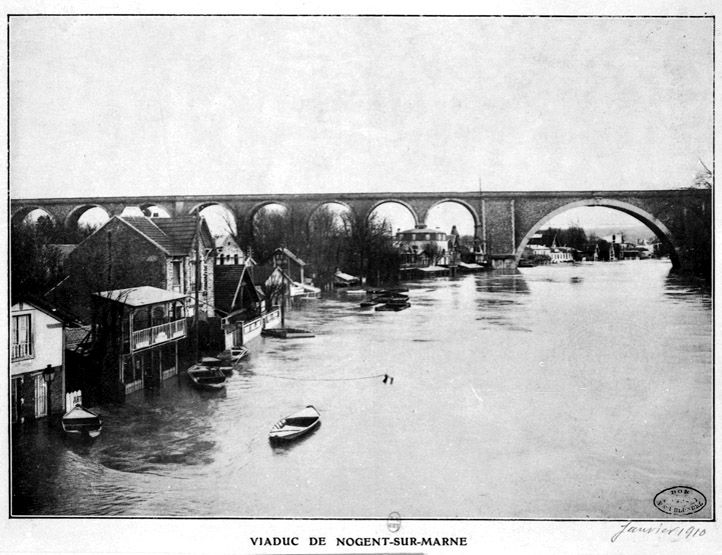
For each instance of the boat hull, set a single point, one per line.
(208, 379)
(81, 422)
(295, 425)
(287, 333)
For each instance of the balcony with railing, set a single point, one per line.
(22, 350)
(155, 335)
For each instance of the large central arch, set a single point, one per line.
(657, 227)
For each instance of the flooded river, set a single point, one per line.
(558, 392)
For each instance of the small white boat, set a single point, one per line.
(295, 425)
(206, 377)
(81, 421)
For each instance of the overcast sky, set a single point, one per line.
(168, 105)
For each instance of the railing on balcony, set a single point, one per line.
(22, 350)
(158, 334)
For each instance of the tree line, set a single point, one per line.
(326, 241)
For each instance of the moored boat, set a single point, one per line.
(217, 364)
(287, 333)
(233, 355)
(393, 307)
(206, 377)
(295, 425)
(82, 422)
(395, 298)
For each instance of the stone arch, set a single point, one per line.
(468, 206)
(249, 227)
(403, 203)
(228, 213)
(657, 227)
(21, 213)
(71, 220)
(321, 204)
(256, 208)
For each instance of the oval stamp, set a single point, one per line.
(393, 523)
(680, 500)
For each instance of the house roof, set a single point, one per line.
(290, 255)
(46, 306)
(140, 296)
(75, 336)
(182, 230)
(174, 236)
(225, 281)
(147, 227)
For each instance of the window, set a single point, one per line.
(176, 284)
(22, 337)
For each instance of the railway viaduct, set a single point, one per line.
(505, 221)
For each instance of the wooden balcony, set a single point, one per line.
(22, 350)
(158, 334)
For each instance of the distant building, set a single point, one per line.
(422, 246)
(228, 251)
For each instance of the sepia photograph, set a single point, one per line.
(333, 268)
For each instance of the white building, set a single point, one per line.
(413, 243)
(37, 361)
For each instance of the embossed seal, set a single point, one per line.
(680, 500)
(393, 523)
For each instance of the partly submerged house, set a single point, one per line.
(139, 330)
(242, 307)
(37, 362)
(173, 254)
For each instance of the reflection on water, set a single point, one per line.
(563, 391)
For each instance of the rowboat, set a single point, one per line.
(393, 307)
(217, 364)
(206, 377)
(295, 425)
(234, 355)
(81, 421)
(392, 298)
(287, 333)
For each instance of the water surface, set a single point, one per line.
(560, 392)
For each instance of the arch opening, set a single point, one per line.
(269, 229)
(220, 219)
(449, 213)
(636, 214)
(31, 215)
(328, 216)
(92, 219)
(86, 217)
(394, 215)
